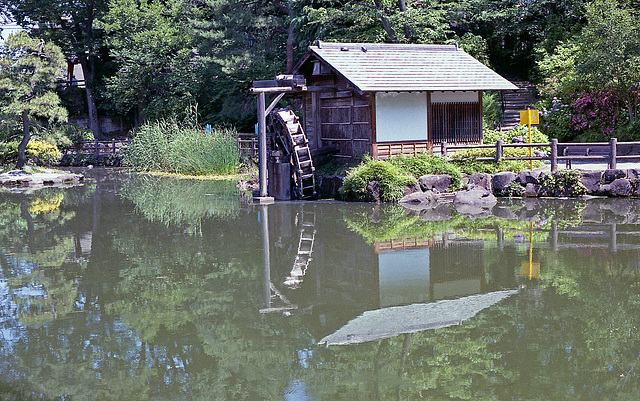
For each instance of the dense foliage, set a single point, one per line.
(148, 60)
(28, 72)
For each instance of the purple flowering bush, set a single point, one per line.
(596, 114)
(588, 116)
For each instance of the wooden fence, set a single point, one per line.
(99, 148)
(608, 152)
(248, 144)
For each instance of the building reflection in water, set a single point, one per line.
(316, 265)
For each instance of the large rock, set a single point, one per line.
(611, 175)
(412, 189)
(529, 177)
(328, 186)
(633, 174)
(477, 197)
(501, 181)
(477, 181)
(619, 187)
(592, 180)
(531, 190)
(373, 192)
(436, 183)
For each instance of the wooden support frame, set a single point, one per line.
(263, 112)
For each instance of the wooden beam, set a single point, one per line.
(278, 89)
(273, 103)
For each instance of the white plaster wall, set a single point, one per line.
(454, 97)
(401, 116)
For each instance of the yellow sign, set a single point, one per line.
(528, 117)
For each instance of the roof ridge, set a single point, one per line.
(383, 46)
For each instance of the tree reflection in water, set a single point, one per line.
(120, 296)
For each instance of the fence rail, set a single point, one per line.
(248, 144)
(608, 152)
(99, 148)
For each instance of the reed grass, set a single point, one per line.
(186, 148)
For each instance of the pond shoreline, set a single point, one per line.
(37, 179)
(482, 187)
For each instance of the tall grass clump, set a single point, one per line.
(183, 147)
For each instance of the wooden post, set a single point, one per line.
(443, 148)
(262, 143)
(498, 150)
(97, 149)
(613, 152)
(554, 155)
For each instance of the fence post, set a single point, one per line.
(443, 148)
(613, 153)
(498, 150)
(554, 155)
(97, 149)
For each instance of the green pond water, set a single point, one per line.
(136, 288)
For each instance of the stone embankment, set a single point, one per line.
(21, 179)
(479, 191)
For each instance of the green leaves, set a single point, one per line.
(29, 69)
(156, 55)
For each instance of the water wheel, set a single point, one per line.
(285, 134)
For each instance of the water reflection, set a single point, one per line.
(99, 299)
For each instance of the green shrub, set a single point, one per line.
(420, 165)
(37, 151)
(520, 134)
(513, 190)
(490, 109)
(183, 148)
(564, 183)
(490, 167)
(391, 179)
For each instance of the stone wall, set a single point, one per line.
(612, 183)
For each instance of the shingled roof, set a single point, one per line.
(377, 67)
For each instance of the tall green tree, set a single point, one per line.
(29, 69)
(395, 21)
(609, 52)
(601, 63)
(157, 57)
(516, 32)
(70, 24)
(239, 42)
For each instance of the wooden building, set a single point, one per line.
(387, 99)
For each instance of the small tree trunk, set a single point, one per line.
(26, 136)
(140, 114)
(290, 38)
(92, 108)
(386, 25)
(402, 4)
